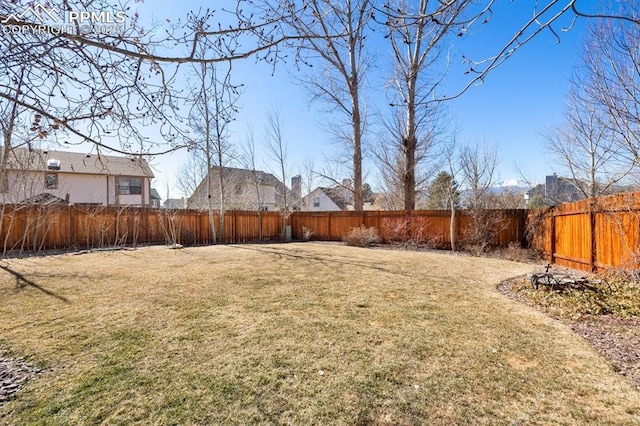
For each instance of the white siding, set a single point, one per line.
(325, 204)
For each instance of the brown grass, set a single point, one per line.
(295, 334)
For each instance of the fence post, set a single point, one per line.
(235, 226)
(592, 234)
(72, 226)
(144, 225)
(552, 235)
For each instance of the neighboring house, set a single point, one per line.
(156, 199)
(243, 190)
(69, 177)
(555, 190)
(175, 203)
(375, 201)
(338, 198)
(323, 199)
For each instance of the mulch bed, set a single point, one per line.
(618, 339)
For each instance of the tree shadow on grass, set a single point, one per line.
(296, 255)
(22, 281)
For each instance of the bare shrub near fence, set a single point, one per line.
(100, 227)
(485, 224)
(37, 225)
(306, 233)
(536, 228)
(170, 225)
(410, 232)
(362, 237)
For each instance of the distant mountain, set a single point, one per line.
(514, 183)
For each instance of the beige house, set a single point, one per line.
(41, 176)
(338, 198)
(243, 190)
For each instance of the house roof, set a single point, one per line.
(240, 176)
(154, 194)
(334, 194)
(44, 198)
(245, 175)
(175, 203)
(75, 162)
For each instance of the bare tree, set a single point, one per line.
(416, 42)
(609, 84)
(106, 88)
(334, 34)
(390, 165)
(308, 177)
(453, 189)
(250, 164)
(478, 172)
(586, 145)
(191, 174)
(214, 108)
(277, 150)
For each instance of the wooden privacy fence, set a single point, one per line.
(35, 228)
(425, 226)
(592, 234)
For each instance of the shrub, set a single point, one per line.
(306, 233)
(362, 237)
(410, 232)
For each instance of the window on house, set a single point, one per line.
(316, 202)
(128, 186)
(264, 208)
(238, 190)
(51, 181)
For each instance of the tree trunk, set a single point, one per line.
(409, 175)
(358, 202)
(452, 227)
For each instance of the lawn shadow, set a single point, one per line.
(22, 281)
(292, 254)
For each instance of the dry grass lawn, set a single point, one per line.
(294, 334)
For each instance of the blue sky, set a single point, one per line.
(517, 100)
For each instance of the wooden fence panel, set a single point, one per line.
(573, 240)
(591, 235)
(271, 226)
(317, 222)
(617, 240)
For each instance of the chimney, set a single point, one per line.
(296, 188)
(347, 187)
(551, 185)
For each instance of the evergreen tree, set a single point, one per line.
(442, 191)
